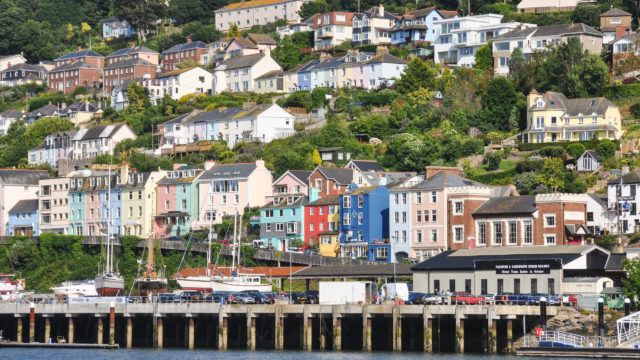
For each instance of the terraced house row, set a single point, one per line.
(357, 211)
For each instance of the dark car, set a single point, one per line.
(167, 298)
(415, 298)
(191, 296)
(260, 298)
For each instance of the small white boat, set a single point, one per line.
(73, 289)
(10, 288)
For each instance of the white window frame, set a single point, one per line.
(455, 208)
(547, 236)
(547, 216)
(459, 240)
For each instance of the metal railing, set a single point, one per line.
(628, 328)
(567, 339)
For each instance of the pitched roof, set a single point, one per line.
(367, 165)
(632, 177)
(22, 206)
(46, 110)
(131, 50)
(373, 12)
(270, 74)
(240, 62)
(244, 42)
(615, 12)
(178, 72)
(26, 67)
(364, 190)
(229, 171)
(78, 54)
(523, 204)
(185, 46)
(443, 180)
(301, 200)
(385, 58)
(11, 114)
(301, 175)
(22, 177)
(469, 258)
(75, 65)
(249, 4)
(98, 132)
(340, 175)
(130, 62)
(261, 39)
(551, 30)
(601, 199)
(574, 107)
(326, 200)
(592, 153)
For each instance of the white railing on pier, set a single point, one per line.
(628, 328)
(567, 339)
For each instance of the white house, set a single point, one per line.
(239, 73)
(417, 26)
(7, 118)
(457, 39)
(588, 162)
(10, 60)
(99, 140)
(600, 219)
(246, 14)
(372, 26)
(181, 82)
(331, 29)
(623, 196)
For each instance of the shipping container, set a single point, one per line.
(346, 292)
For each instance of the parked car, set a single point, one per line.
(466, 299)
(306, 297)
(191, 296)
(569, 300)
(167, 298)
(432, 299)
(415, 298)
(260, 298)
(241, 298)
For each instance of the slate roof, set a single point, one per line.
(244, 42)
(632, 177)
(22, 206)
(574, 107)
(615, 12)
(614, 263)
(355, 271)
(135, 183)
(26, 67)
(129, 62)
(229, 171)
(11, 114)
(443, 180)
(177, 72)
(550, 30)
(284, 204)
(601, 199)
(22, 177)
(131, 50)
(240, 62)
(74, 66)
(185, 46)
(592, 153)
(80, 106)
(340, 175)
(78, 54)
(511, 205)
(270, 74)
(301, 175)
(98, 132)
(466, 259)
(261, 39)
(326, 200)
(367, 165)
(373, 12)
(46, 110)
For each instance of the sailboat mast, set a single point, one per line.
(233, 245)
(150, 260)
(239, 239)
(208, 272)
(108, 198)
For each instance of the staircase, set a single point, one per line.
(629, 331)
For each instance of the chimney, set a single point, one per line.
(433, 170)
(247, 105)
(208, 164)
(381, 10)
(620, 31)
(189, 39)
(625, 169)
(260, 163)
(124, 172)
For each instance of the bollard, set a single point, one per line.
(627, 306)
(32, 322)
(601, 329)
(543, 312)
(112, 323)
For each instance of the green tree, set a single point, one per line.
(311, 8)
(576, 150)
(499, 105)
(138, 97)
(418, 74)
(233, 31)
(11, 17)
(315, 158)
(517, 71)
(606, 149)
(37, 40)
(484, 58)
(587, 14)
(143, 15)
(289, 51)
(593, 75)
(552, 174)
(199, 31)
(186, 11)
(631, 284)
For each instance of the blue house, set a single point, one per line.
(282, 220)
(23, 218)
(115, 27)
(364, 229)
(113, 201)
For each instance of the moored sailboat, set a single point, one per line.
(152, 281)
(109, 282)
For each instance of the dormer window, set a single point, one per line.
(169, 175)
(539, 103)
(139, 178)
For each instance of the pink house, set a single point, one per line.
(290, 183)
(16, 185)
(225, 189)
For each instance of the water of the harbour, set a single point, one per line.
(167, 354)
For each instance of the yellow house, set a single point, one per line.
(329, 243)
(551, 117)
(138, 193)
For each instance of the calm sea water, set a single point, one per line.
(166, 354)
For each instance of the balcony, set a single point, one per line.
(325, 35)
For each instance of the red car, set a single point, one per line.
(569, 300)
(466, 299)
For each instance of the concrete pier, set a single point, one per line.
(428, 328)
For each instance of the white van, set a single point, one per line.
(391, 291)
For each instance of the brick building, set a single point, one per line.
(130, 63)
(77, 69)
(196, 51)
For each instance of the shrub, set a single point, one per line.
(635, 110)
(553, 152)
(606, 149)
(472, 146)
(529, 165)
(576, 150)
(493, 160)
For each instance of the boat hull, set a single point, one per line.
(203, 283)
(76, 289)
(199, 283)
(109, 286)
(145, 287)
(232, 286)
